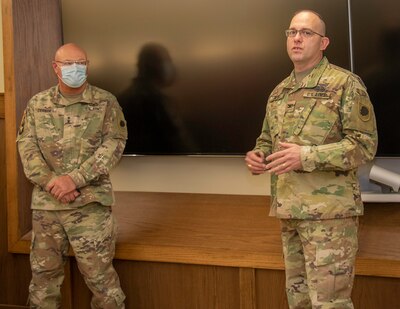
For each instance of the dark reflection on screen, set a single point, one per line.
(154, 126)
(227, 57)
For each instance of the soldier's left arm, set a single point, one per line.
(36, 169)
(109, 152)
(360, 138)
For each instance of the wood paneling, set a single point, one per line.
(31, 35)
(247, 288)
(209, 229)
(2, 111)
(236, 231)
(14, 268)
(270, 289)
(376, 293)
(228, 230)
(234, 236)
(3, 212)
(171, 286)
(25, 73)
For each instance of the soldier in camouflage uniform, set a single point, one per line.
(70, 137)
(319, 127)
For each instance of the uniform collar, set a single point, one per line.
(311, 80)
(87, 96)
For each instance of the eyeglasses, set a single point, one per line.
(305, 33)
(71, 62)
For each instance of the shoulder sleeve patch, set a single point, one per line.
(364, 111)
(22, 125)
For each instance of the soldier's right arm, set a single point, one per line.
(35, 167)
(264, 141)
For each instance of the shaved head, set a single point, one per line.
(70, 51)
(319, 22)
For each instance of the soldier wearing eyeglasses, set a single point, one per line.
(70, 137)
(318, 128)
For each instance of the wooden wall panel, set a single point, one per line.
(247, 288)
(150, 285)
(32, 33)
(14, 268)
(2, 107)
(270, 289)
(31, 30)
(376, 293)
(38, 24)
(368, 292)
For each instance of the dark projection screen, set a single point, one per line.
(376, 46)
(193, 77)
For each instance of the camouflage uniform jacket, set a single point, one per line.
(84, 140)
(330, 115)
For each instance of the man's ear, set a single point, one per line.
(324, 43)
(54, 65)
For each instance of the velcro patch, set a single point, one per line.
(364, 111)
(22, 125)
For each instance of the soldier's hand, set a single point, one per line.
(61, 186)
(285, 160)
(255, 162)
(70, 197)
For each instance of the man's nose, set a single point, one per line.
(298, 36)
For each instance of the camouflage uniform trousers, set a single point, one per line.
(91, 232)
(319, 262)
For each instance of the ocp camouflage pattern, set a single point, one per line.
(328, 247)
(330, 114)
(91, 232)
(83, 139)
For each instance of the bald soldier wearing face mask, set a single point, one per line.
(70, 137)
(318, 128)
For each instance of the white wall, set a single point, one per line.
(220, 175)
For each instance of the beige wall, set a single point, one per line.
(219, 175)
(180, 173)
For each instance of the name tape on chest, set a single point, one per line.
(317, 95)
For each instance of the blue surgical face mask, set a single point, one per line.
(73, 75)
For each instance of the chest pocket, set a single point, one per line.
(317, 115)
(275, 114)
(49, 124)
(92, 125)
